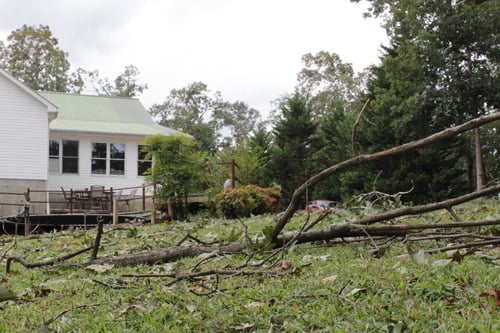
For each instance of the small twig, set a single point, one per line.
(211, 291)
(343, 287)
(323, 214)
(453, 214)
(182, 240)
(199, 241)
(356, 123)
(150, 275)
(7, 250)
(62, 313)
(43, 263)
(109, 286)
(465, 246)
(195, 275)
(97, 241)
(202, 261)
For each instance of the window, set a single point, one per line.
(117, 158)
(63, 155)
(99, 157)
(54, 157)
(100, 161)
(143, 163)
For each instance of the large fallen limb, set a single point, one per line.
(412, 210)
(361, 159)
(343, 230)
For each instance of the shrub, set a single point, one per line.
(246, 200)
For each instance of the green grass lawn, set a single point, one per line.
(314, 287)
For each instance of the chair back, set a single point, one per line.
(118, 195)
(96, 191)
(132, 193)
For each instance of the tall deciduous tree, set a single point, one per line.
(32, 55)
(214, 123)
(190, 110)
(328, 81)
(125, 85)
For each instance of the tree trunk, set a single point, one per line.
(480, 178)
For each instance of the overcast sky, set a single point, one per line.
(249, 50)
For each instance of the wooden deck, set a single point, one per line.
(58, 222)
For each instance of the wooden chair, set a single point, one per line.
(68, 197)
(97, 198)
(124, 199)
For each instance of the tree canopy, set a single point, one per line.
(212, 121)
(32, 55)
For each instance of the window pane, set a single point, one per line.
(117, 167)
(117, 150)
(53, 147)
(70, 148)
(53, 164)
(99, 167)
(142, 166)
(70, 156)
(99, 150)
(70, 165)
(141, 155)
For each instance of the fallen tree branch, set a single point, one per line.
(465, 246)
(413, 210)
(335, 231)
(362, 159)
(360, 230)
(43, 263)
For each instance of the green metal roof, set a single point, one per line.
(103, 114)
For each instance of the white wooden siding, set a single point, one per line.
(85, 178)
(23, 134)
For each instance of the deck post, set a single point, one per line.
(115, 212)
(27, 221)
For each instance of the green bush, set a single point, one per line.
(246, 200)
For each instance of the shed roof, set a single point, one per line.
(103, 114)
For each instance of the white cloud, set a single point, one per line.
(249, 50)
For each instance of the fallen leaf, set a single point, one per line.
(243, 327)
(330, 279)
(6, 294)
(99, 268)
(134, 307)
(286, 264)
(255, 305)
(418, 257)
(441, 263)
(491, 297)
(356, 291)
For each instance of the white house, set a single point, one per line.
(52, 140)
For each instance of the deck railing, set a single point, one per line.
(75, 201)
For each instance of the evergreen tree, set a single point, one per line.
(293, 144)
(440, 69)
